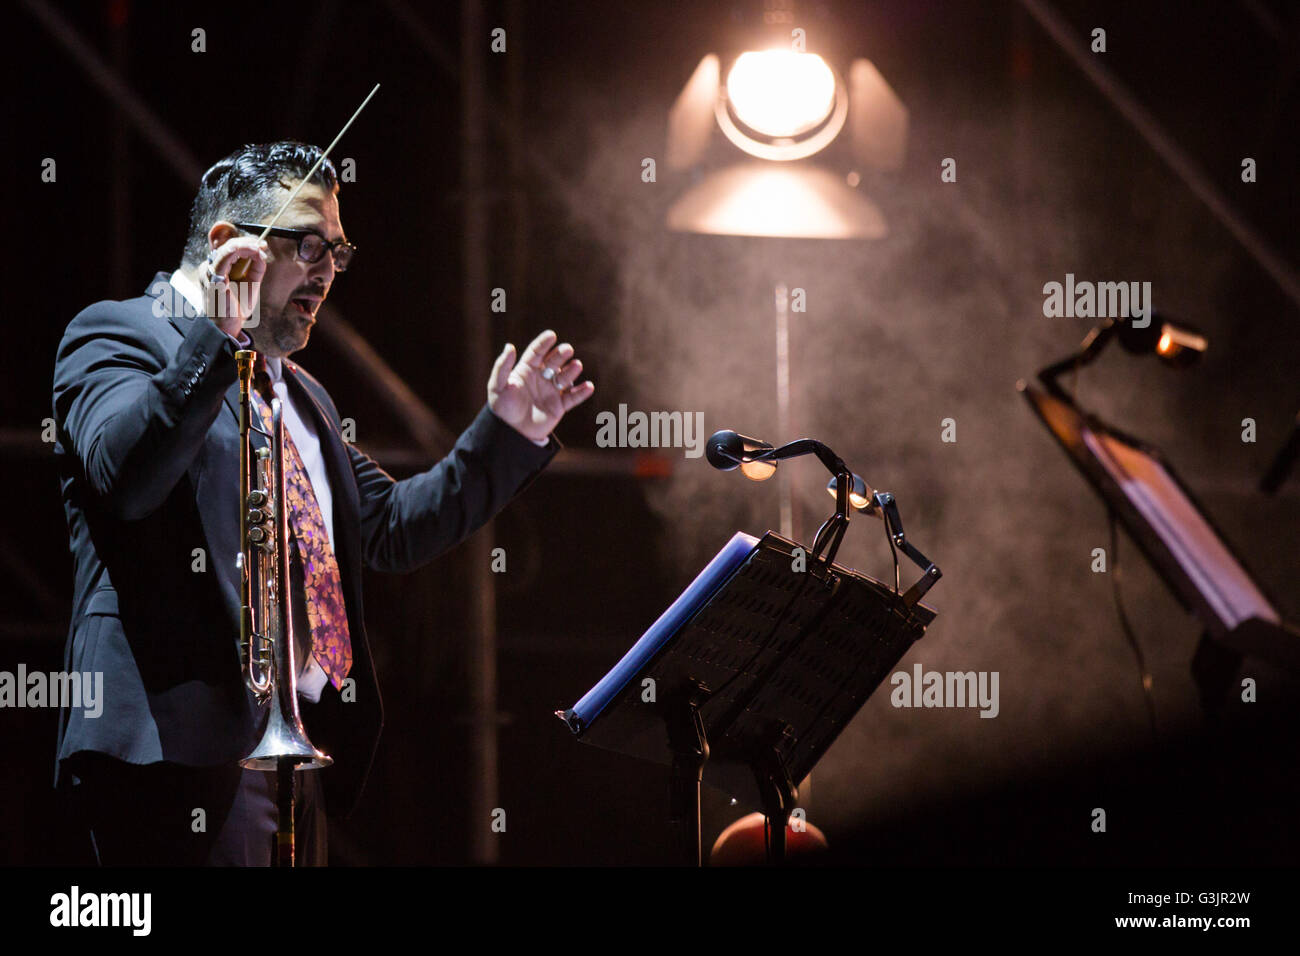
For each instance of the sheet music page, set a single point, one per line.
(1196, 547)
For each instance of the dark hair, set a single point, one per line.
(241, 188)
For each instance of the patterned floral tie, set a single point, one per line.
(326, 613)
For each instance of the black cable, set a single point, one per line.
(1144, 676)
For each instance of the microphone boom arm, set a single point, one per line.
(882, 504)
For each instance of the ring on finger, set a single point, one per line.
(555, 377)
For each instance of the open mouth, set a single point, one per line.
(305, 307)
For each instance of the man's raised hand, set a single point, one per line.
(232, 303)
(534, 394)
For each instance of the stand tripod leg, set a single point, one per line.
(690, 753)
(282, 852)
(687, 775)
(779, 794)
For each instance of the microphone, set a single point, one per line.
(727, 449)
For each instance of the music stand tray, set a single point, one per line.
(756, 667)
(1172, 529)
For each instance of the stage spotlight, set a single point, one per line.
(781, 105)
(781, 93)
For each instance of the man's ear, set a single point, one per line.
(221, 231)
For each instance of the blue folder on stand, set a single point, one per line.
(706, 584)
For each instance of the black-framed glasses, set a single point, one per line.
(311, 244)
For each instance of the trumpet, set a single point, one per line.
(266, 619)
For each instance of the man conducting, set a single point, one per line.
(145, 401)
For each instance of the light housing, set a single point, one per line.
(1174, 342)
(781, 105)
(860, 496)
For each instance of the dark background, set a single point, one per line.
(938, 320)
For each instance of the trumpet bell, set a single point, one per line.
(285, 739)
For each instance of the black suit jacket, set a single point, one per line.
(145, 402)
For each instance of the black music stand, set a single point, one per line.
(1172, 529)
(755, 669)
